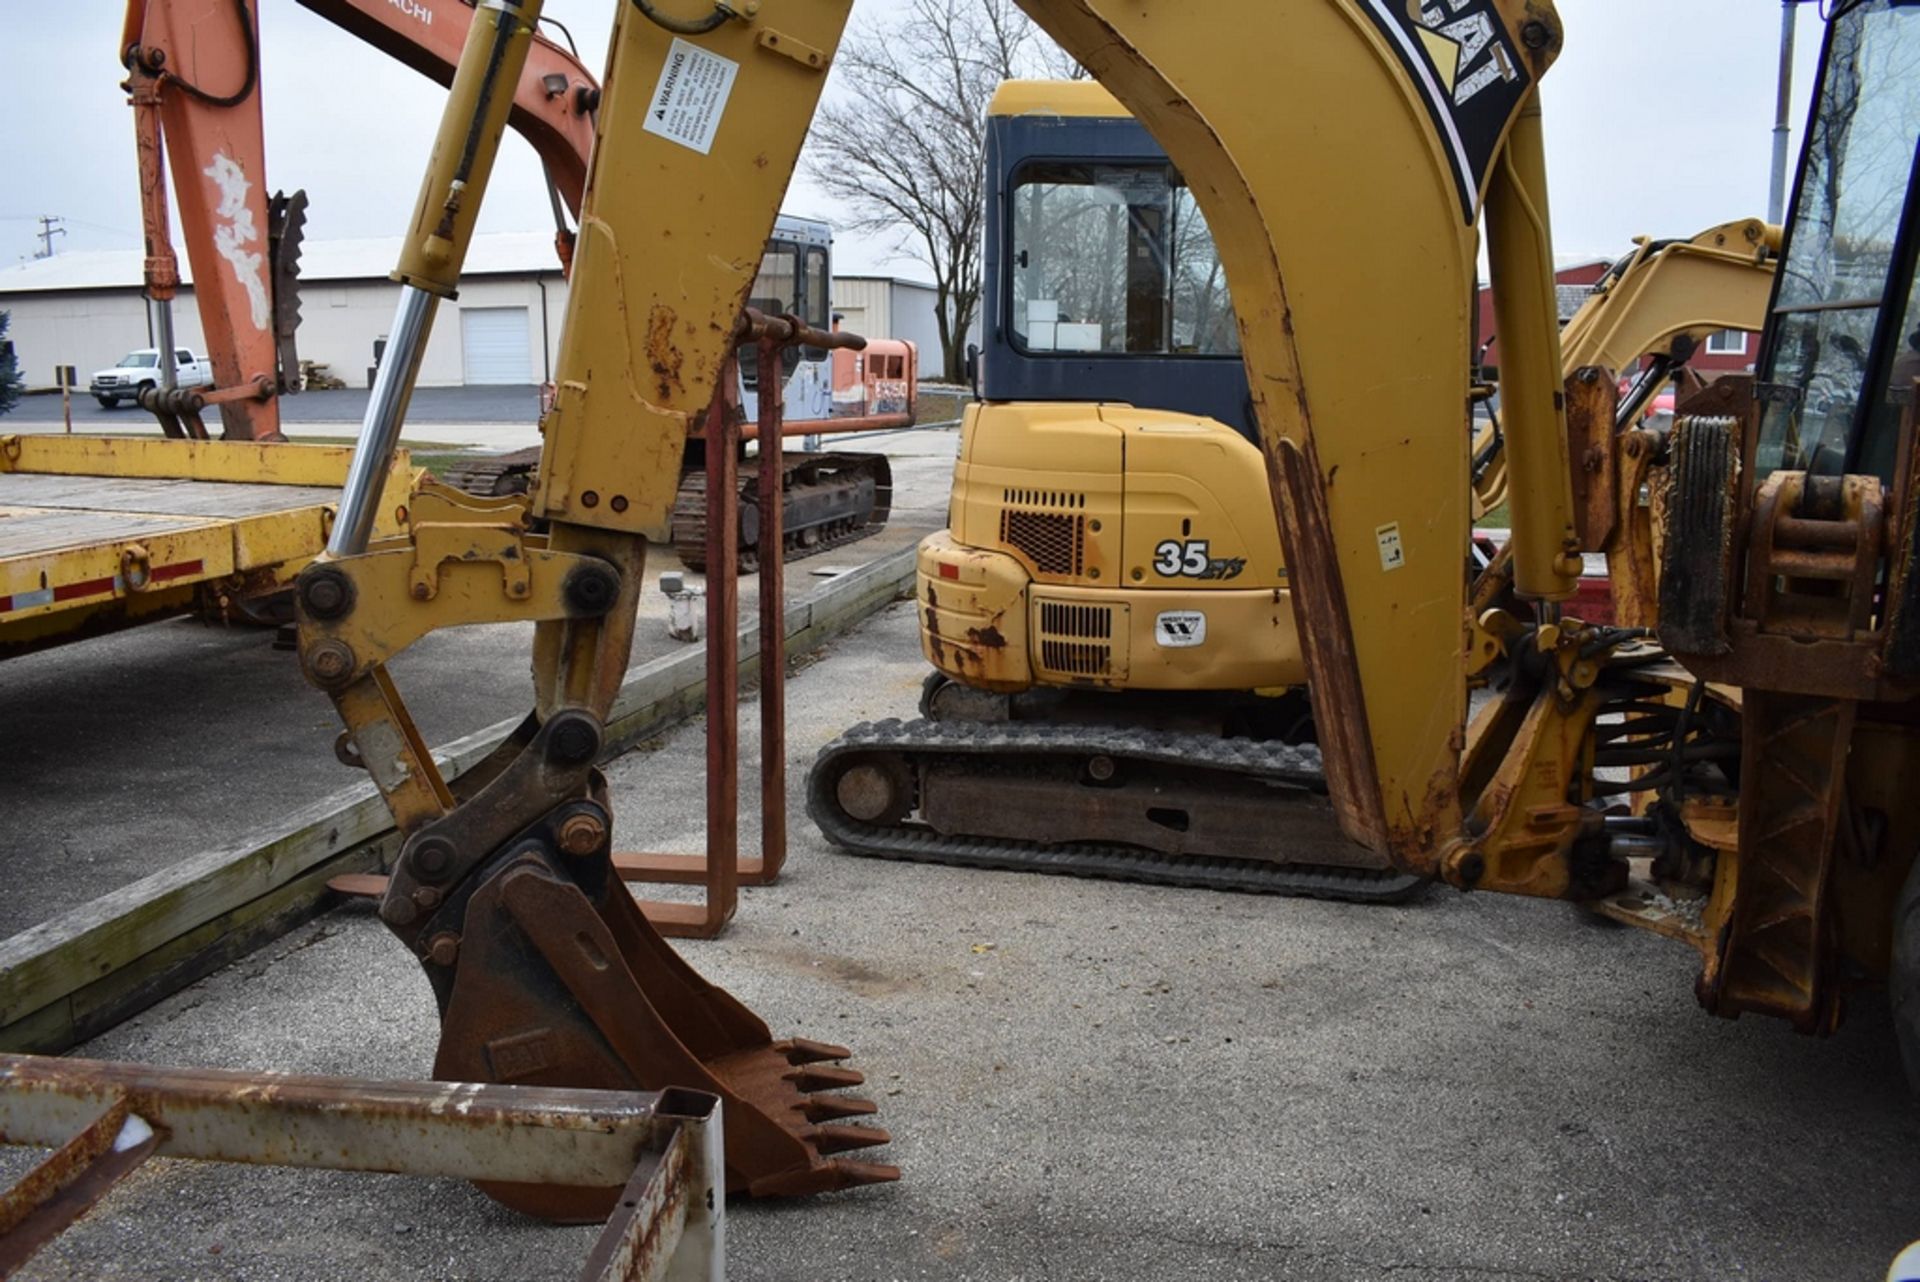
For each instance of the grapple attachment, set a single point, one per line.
(548, 974)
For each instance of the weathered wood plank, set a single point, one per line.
(89, 1011)
(35, 531)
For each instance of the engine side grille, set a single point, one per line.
(1047, 527)
(1055, 500)
(1076, 640)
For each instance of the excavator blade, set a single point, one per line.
(559, 980)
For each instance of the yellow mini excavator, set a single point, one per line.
(1118, 688)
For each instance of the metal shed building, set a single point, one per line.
(86, 309)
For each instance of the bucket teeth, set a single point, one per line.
(831, 1108)
(840, 1139)
(800, 1050)
(834, 1173)
(825, 1077)
(853, 1173)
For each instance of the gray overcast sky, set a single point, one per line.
(1659, 120)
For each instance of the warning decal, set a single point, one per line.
(691, 96)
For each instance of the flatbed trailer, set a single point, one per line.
(99, 533)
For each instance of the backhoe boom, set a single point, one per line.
(1366, 465)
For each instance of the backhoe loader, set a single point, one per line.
(544, 969)
(1758, 722)
(1118, 686)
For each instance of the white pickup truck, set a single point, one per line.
(142, 369)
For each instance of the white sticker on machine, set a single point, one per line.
(1180, 629)
(691, 96)
(1392, 555)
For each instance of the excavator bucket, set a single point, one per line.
(554, 977)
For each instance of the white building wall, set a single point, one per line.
(883, 307)
(339, 321)
(916, 319)
(864, 304)
(87, 329)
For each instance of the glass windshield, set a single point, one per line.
(1830, 405)
(791, 279)
(1115, 259)
(137, 360)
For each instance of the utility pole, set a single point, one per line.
(49, 228)
(1777, 193)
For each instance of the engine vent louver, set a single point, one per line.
(1047, 527)
(1076, 640)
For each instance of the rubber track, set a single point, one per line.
(1007, 743)
(690, 524)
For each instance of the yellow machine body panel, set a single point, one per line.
(1043, 481)
(1107, 546)
(99, 533)
(1070, 98)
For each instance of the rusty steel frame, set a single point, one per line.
(104, 1119)
(720, 869)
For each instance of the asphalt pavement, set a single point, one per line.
(1099, 1082)
(1085, 1080)
(127, 752)
(508, 404)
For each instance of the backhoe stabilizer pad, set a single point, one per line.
(552, 987)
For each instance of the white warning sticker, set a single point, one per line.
(1392, 555)
(1180, 629)
(691, 96)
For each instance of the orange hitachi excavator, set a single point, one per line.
(194, 81)
(195, 86)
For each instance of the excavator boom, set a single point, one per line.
(1437, 97)
(194, 81)
(553, 103)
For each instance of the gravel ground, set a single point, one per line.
(1102, 1081)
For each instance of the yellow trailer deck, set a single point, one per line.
(99, 533)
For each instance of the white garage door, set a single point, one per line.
(493, 345)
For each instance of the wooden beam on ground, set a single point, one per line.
(80, 973)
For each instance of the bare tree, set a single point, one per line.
(901, 137)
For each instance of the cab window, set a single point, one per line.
(1115, 260)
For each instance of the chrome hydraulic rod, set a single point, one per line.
(380, 429)
(160, 313)
(436, 244)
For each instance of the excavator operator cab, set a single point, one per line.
(794, 277)
(1101, 279)
(1842, 350)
